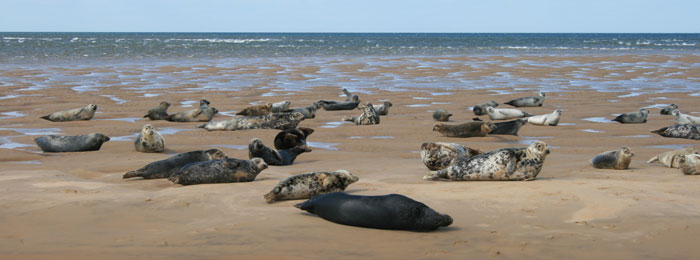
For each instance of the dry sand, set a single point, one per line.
(76, 205)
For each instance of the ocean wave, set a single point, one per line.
(216, 40)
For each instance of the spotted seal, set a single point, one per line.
(438, 155)
(158, 113)
(469, 129)
(83, 113)
(441, 115)
(279, 121)
(680, 131)
(202, 114)
(505, 113)
(616, 159)
(369, 116)
(681, 118)
(149, 140)
(256, 149)
(671, 159)
(507, 164)
(76, 143)
(633, 117)
(480, 109)
(533, 101)
(668, 109)
(690, 164)
(287, 139)
(331, 105)
(225, 170)
(309, 185)
(165, 168)
(259, 110)
(551, 119)
(383, 109)
(393, 211)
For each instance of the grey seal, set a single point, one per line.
(308, 112)
(282, 106)
(469, 129)
(438, 155)
(82, 113)
(279, 121)
(369, 116)
(290, 138)
(259, 110)
(533, 101)
(616, 159)
(671, 159)
(480, 109)
(505, 113)
(225, 170)
(633, 117)
(158, 113)
(331, 105)
(202, 114)
(668, 109)
(256, 148)
(149, 140)
(76, 143)
(681, 118)
(309, 185)
(165, 168)
(441, 115)
(680, 131)
(550, 119)
(383, 109)
(349, 96)
(690, 164)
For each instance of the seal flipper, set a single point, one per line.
(47, 117)
(131, 174)
(512, 103)
(308, 206)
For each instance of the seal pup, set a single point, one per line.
(686, 131)
(308, 112)
(393, 211)
(690, 164)
(369, 116)
(633, 117)
(616, 159)
(83, 113)
(681, 118)
(290, 138)
(505, 113)
(671, 159)
(480, 109)
(225, 170)
(158, 113)
(533, 101)
(202, 114)
(256, 149)
(507, 164)
(282, 106)
(259, 110)
(437, 156)
(149, 140)
(166, 167)
(279, 121)
(469, 129)
(551, 119)
(309, 185)
(331, 105)
(76, 143)
(383, 109)
(441, 115)
(507, 128)
(668, 109)
(350, 96)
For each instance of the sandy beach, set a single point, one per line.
(76, 205)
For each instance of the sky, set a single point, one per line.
(450, 16)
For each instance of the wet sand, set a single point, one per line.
(76, 205)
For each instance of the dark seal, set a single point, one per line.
(668, 109)
(507, 128)
(633, 117)
(167, 167)
(331, 105)
(393, 211)
(160, 112)
(219, 171)
(256, 148)
(76, 143)
(290, 138)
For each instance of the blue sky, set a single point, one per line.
(351, 16)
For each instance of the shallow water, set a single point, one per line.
(7, 143)
(334, 124)
(671, 146)
(598, 120)
(383, 137)
(327, 146)
(231, 146)
(125, 119)
(35, 131)
(418, 105)
(592, 131)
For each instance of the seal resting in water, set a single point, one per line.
(533, 101)
(393, 211)
(76, 143)
(616, 159)
(437, 156)
(256, 148)
(680, 131)
(158, 113)
(225, 170)
(149, 140)
(279, 121)
(308, 185)
(369, 116)
(469, 129)
(165, 168)
(633, 117)
(671, 159)
(83, 113)
(287, 139)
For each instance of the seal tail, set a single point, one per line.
(659, 131)
(618, 119)
(130, 174)
(270, 197)
(201, 126)
(512, 103)
(47, 117)
(653, 159)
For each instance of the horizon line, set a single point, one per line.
(300, 32)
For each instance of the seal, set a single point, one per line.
(690, 164)
(290, 138)
(441, 115)
(437, 156)
(507, 164)
(83, 113)
(256, 149)
(383, 109)
(480, 109)
(680, 131)
(633, 117)
(681, 118)
(551, 119)
(469, 129)
(508, 128)
(369, 116)
(279, 121)
(76, 143)
(350, 96)
(158, 113)
(225, 170)
(202, 114)
(505, 113)
(616, 159)
(308, 112)
(533, 101)
(393, 211)
(309, 185)
(671, 159)
(668, 109)
(260, 110)
(149, 140)
(279, 107)
(331, 105)
(165, 168)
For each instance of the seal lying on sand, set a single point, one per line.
(219, 171)
(680, 131)
(437, 156)
(279, 107)
(83, 113)
(671, 159)
(469, 129)
(393, 211)
(480, 109)
(331, 105)
(308, 185)
(507, 128)
(534, 101)
(149, 140)
(616, 159)
(308, 112)
(279, 121)
(546, 119)
(685, 119)
(369, 116)
(287, 139)
(507, 164)
(441, 115)
(77, 143)
(158, 113)
(633, 117)
(350, 96)
(668, 109)
(259, 110)
(690, 164)
(383, 109)
(256, 149)
(505, 113)
(165, 168)
(202, 114)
